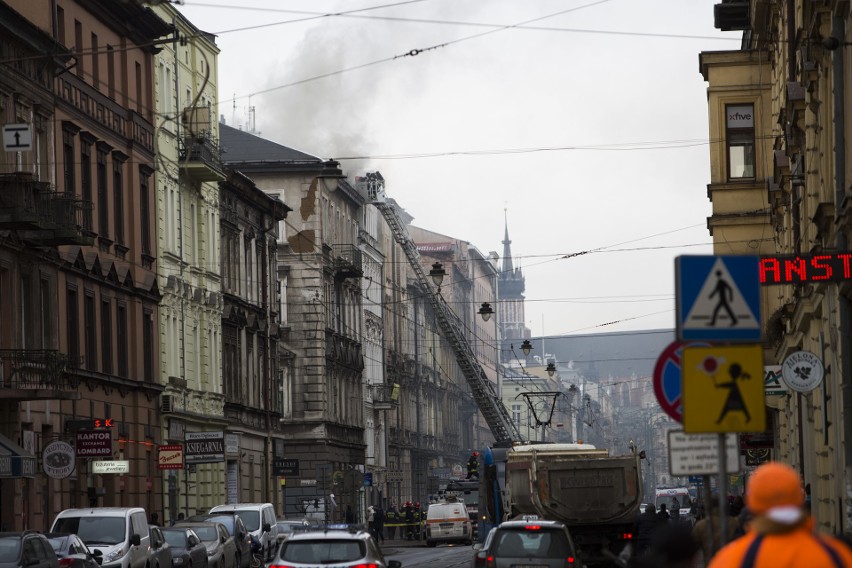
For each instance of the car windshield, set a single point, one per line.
(176, 538)
(10, 549)
(227, 520)
(324, 551)
(251, 519)
(207, 533)
(540, 543)
(287, 526)
(94, 530)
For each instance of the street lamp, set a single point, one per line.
(437, 273)
(486, 311)
(551, 369)
(526, 346)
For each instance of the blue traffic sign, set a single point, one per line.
(718, 298)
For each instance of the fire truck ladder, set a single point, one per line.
(504, 430)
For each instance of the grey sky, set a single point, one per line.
(590, 131)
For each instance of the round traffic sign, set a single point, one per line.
(668, 379)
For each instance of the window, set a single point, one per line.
(118, 196)
(60, 25)
(121, 338)
(78, 47)
(739, 130)
(106, 336)
(90, 331)
(145, 208)
(111, 71)
(516, 414)
(102, 204)
(68, 160)
(148, 344)
(96, 68)
(73, 325)
(139, 90)
(86, 180)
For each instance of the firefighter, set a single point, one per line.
(473, 466)
(409, 520)
(418, 521)
(391, 521)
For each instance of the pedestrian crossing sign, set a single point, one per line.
(718, 298)
(723, 389)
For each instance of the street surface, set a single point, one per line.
(443, 556)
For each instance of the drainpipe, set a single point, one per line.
(844, 305)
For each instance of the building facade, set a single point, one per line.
(92, 114)
(779, 109)
(187, 178)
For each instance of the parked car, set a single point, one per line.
(236, 528)
(221, 548)
(338, 548)
(187, 549)
(26, 550)
(259, 519)
(527, 542)
(159, 553)
(288, 526)
(120, 534)
(73, 552)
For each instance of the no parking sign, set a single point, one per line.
(668, 378)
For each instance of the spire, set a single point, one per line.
(507, 249)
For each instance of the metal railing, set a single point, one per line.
(33, 369)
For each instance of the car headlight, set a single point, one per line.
(177, 561)
(114, 555)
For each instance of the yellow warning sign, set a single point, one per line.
(723, 389)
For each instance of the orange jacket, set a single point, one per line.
(798, 547)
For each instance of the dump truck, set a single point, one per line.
(595, 494)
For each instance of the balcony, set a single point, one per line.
(343, 351)
(200, 158)
(385, 397)
(44, 216)
(35, 374)
(347, 261)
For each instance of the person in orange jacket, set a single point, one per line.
(781, 533)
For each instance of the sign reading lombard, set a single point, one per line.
(204, 447)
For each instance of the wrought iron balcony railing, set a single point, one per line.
(201, 158)
(34, 369)
(385, 397)
(49, 218)
(347, 261)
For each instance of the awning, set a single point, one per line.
(15, 461)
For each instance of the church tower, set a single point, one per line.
(510, 299)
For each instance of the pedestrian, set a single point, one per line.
(379, 520)
(781, 534)
(409, 521)
(663, 514)
(713, 523)
(675, 510)
(371, 521)
(645, 526)
(671, 547)
(349, 515)
(155, 519)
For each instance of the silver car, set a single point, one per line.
(529, 542)
(338, 548)
(286, 527)
(221, 548)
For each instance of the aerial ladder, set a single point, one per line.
(496, 416)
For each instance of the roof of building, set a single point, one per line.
(239, 147)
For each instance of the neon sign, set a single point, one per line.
(797, 269)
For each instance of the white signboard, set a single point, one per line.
(698, 454)
(112, 466)
(17, 138)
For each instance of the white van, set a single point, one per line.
(260, 522)
(448, 522)
(120, 534)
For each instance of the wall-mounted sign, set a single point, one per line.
(111, 466)
(58, 459)
(285, 467)
(204, 447)
(795, 269)
(802, 371)
(94, 443)
(170, 457)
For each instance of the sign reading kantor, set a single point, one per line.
(204, 447)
